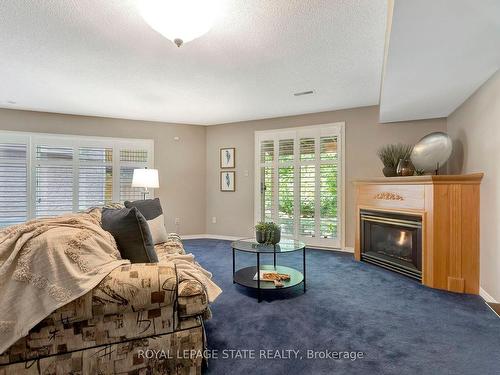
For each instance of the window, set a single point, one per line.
(13, 182)
(48, 175)
(299, 183)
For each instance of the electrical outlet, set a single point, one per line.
(214, 220)
(177, 221)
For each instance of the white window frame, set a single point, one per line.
(32, 140)
(338, 129)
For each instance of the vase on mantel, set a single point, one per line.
(405, 168)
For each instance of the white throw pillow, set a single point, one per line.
(157, 228)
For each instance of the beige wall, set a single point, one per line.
(364, 135)
(475, 130)
(189, 168)
(181, 163)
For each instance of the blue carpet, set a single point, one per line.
(400, 326)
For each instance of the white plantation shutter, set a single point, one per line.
(95, 155)
(307, 225)
(95, 176)
(300, 181)
(328, 201)
(329, 187)
(328, 148)
(285, 150)
(267, 151)
(134, 156)
(53, 190)
(53, 181)
(54, 153)
(13, 183)
(266, 157)
(307, 149)
(48, 175)
(286, 199)
(285, 185)
(267, 187)
(95, 186)
(307, 178)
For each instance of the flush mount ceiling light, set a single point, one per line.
(180, 20)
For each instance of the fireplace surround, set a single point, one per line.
(443, 216)
(392, 241)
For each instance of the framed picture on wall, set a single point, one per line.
(227, 181)
(227, 157)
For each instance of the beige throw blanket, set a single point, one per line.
(45, 264)
(188, 269)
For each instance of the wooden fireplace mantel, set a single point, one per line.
(449, 207)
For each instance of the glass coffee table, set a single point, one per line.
(246, 276)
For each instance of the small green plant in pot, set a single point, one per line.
(267, 233)
(390, 156)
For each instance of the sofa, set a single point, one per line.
(140, 319)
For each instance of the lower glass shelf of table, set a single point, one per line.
(246, 276)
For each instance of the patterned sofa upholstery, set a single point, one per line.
(110, 329)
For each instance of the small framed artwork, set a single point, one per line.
(227, 182)
(227, 157)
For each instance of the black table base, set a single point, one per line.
(245, 276)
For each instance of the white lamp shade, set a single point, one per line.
(145, 178)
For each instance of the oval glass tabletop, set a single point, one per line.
(252, 246)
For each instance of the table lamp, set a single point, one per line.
(145, 178)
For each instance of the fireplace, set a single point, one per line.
(393, 241)
(439, 216)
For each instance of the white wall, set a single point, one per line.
(475, 130)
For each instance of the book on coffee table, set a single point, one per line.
(267, 275)
(262, 278)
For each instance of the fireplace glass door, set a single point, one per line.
(392, 241)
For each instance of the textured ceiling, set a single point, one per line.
(440, 52)
(99, 58)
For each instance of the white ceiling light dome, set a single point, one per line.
(180, 20)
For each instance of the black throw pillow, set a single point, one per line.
(152, 211)
(150, 208)
(131, 232)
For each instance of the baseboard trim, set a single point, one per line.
(233, 238)
(485, 295)
(341, 249)
(210, 237)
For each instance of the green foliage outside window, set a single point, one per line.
(328, 199)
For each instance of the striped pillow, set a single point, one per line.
(152, 211)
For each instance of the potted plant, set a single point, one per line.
(390, 156)
(267, 233)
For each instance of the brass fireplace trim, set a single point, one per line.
(385, 220)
